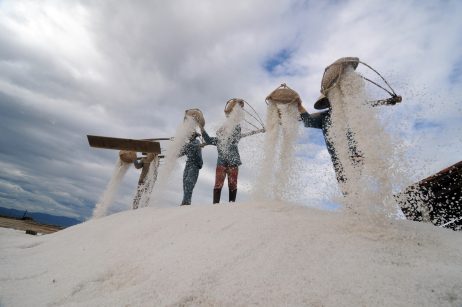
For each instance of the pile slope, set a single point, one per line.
(268, 254)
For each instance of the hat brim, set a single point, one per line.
(322, 103)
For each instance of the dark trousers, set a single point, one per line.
(190, 175)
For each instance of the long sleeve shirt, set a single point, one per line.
(228, 151)
(321, 120)
(193, 153)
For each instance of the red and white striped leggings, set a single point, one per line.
(221, 173)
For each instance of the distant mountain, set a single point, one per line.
(42, 218)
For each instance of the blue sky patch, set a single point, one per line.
(426, 124)
(456, 74)
(272, 64)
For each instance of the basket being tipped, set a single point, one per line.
(127, 156)
(283, 95)
(331, 77)
(197, 115)
(230, 104)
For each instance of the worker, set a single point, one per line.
(228, 160)
(322, 120)
(193, 152)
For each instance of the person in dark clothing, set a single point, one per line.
(193, 152)
(332, 77)
(228, 159)
(322, 120)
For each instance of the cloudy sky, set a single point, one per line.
(131, 68)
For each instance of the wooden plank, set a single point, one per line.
(23, 225)
(158, 139)
(123, 144)
(442, 194)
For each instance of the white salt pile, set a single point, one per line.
(268, 254)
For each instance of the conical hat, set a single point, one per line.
(333, 72)
(332, 75)
(231, 103)
(322, 103)
(284, 94)
(197, 115)
(127, 156)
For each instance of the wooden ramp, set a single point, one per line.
(124, 144)
(442, 194)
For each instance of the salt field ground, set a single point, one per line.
(260, 253)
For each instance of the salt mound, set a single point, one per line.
(270, 254)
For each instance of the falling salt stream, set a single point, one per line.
(182, 134)
(265, 179)
(151, 178)
(236, 116)
(107, 198)
(369, 185)
(279, 152)
(289, 132)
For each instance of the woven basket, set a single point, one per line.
(231, 103)
(331, 76)
(127, 156)
(284, 94)
(197, 115)
(333, 72)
